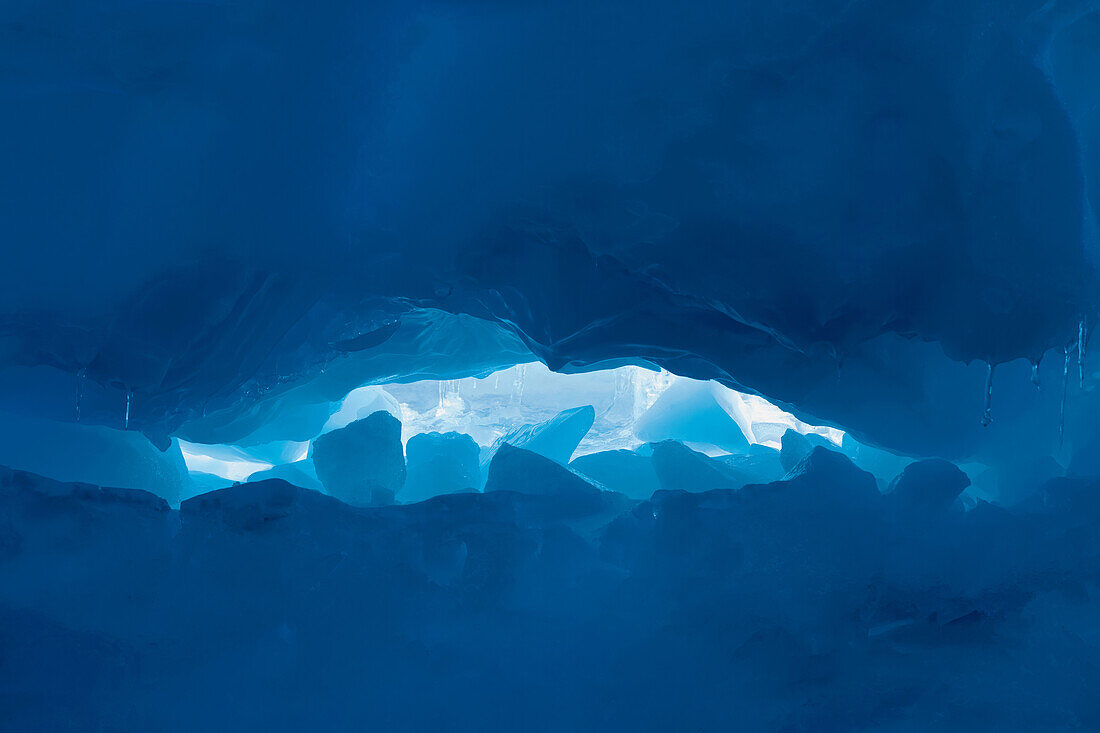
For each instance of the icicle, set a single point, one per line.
(1082, 333)
(987, 414)
(521, 377)
(1065, 387)
(126, 419)
(79, 391)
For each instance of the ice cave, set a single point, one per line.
(470, 365)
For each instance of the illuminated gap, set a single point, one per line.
(224, 461)
(490, 407)
(633, 406)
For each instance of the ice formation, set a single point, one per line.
(363, 462)
(518, 469)
(549, 366)
(679, 468)
(441, 463)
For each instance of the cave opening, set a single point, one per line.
(581, 416)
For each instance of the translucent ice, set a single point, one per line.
(362, 463)
(527, 472)
(691, 412)
(795, 448)
(440, 463)
(556, 439)
(681, 468)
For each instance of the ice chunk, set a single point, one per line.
(527, 472)
(681, 468)
(556, 439)
(625, 471)
(362, 463)
(927, 487)
(828, 476)
(440, 463)
(690, 411)
(795, 449)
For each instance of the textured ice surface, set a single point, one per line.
(362, 463)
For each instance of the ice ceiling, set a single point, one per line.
(214, 214)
